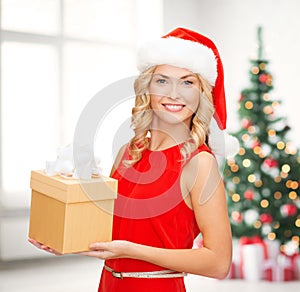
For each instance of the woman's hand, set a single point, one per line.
(43, 247)
(109, 250)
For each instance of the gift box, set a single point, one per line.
(68, 214)
(297, 267)
(253, 252)
(279, 270)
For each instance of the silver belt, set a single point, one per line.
(145, 275)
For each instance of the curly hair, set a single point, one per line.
(142, 118)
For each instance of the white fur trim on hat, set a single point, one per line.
(180, 53)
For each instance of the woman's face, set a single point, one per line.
(174, 94)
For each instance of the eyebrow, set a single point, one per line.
(168, 77)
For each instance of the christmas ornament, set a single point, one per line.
(249, 195)
(266, 218)
(288, 210)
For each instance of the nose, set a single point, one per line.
(174, 94)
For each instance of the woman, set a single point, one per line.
(169, 186)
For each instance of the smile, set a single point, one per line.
(173, 107)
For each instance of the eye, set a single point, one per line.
(188, 82)
(161, 81)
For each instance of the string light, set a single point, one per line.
(255, 70)
(277, 195)
(262, 155)
(246, 162)
(286, 168)
(245, 137)
(262, 66)
(235, 197)
(266, 97)
(251, 178)
(268, 110)
(271, 133)
(277, 179)
(257, 150)
(252, 130)
(269, 80)
(293, 195)
(294, 185)
(249, 105)
(271, 236)
(257, 224)
(264, 203)
(297, 222)
(234, 168)
(296, 239)
(230, 161)
(258, 183)
(242, 151)
(280, 145)
(288, 183)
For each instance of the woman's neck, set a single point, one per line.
(165, 137)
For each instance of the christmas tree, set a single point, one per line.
(263, 179)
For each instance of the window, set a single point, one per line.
(55, 56)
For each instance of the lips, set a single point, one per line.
(173, 107)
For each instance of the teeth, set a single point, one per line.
(173, 107)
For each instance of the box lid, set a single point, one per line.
(71, 190)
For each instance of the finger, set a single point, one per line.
(96, 254)
(55, 252)
(44, 247)
(99, 245)
(34, 242)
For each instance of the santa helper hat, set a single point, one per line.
(188, 49)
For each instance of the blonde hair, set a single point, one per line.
(142, 118)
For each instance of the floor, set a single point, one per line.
(81, 274)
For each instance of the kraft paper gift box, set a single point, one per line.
(67, 214)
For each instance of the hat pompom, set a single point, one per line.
(221, 143)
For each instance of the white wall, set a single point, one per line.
(232, 25)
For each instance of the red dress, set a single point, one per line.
(150, 210)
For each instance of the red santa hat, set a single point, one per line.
(188, 49)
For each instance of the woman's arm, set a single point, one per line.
(209, 204)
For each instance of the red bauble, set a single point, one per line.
(248, 195)
(263, 78)
(266, 218)
(269, 162)
(236, 216)
(255, 144)
(246, 123)
(288, 210)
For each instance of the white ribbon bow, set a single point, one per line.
(86, 165)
